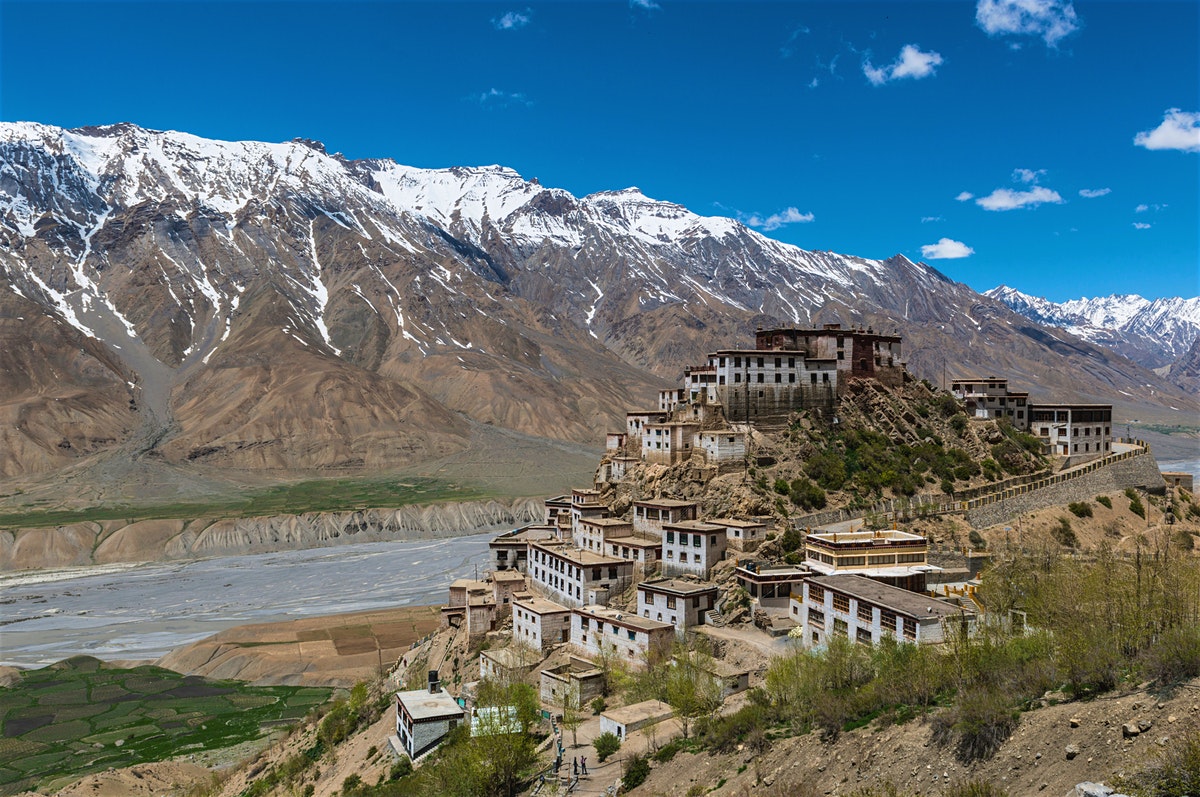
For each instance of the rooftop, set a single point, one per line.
(739, 524)
(902, 601)
(540, 605)
(564, 550)
(421, 704)
(606, 522)
(677, 586)
(693, 525)
(664, 503)
(525, 534)
(513, 657)
(636, 541)
(868, 539)
(618, 617)
(646, 710)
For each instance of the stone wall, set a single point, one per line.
(1138, 470)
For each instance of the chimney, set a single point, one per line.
(434, 683)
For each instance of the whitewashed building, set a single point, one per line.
(650, 515)
(692, 547)
(635, 639)
(864, 610)
(573, 577)
(590, 533)
(683, 604)
(1078, 431)
(540, 623)
(743, 536)
(424, 717)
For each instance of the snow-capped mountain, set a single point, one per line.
(1154, 333)
(254, 305)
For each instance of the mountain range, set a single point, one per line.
(246, 308)
(1161, 333)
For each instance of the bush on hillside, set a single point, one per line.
(1080, 509)
(1104, 500)
(1064, 534)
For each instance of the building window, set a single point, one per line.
(814, 378)
(910, 628)
(841, 603)
(778, 378)
(840, 627)
(760, 362)
(866, 612)
(737, 377)
(816, 618)
(670, 536)
(760, 377)
(816, 593)
(670, 603)
(863, 636)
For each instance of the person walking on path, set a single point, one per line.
(583, 763)
(575, 767)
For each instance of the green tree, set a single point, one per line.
(606, 744)
(692, 688)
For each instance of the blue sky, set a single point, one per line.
(1049, 145)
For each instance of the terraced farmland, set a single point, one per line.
(79, 716)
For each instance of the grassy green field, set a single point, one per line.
(81, 716)
(320, 495)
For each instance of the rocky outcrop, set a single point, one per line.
(157, 540)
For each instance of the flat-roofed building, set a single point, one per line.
(643, 550)
(505, 584)
(621, 722)
(683, 604)
(692, 547)
(1078, 431)
(510, 550)
(989, 397)
(636, 640)
(424, 717)
(770, 585)
(614, 468)
(651, 514)
(558, 514)
(573, 577)
(590, 533)
(721, 446)
(893, 557)
(743, 536)
(540, 623)
(636, 421)
(864, 610)
(585, 504)
(510, 664)
(668, 443)
(578, 676)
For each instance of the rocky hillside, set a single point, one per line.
(887, 443)
(244, 307)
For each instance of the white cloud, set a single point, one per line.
(1092, 193)
(812, 84)
(910, 63)
(946, 249)
(513, 20)
(1027, 175)
(965, 196)
(1050, 20)
(1141, 208)
(928, 219)
(1007, 199)
(776, 220)
(495, 98)
(789, 47)
(645, 5)
(1141, 225)
(1179, 130)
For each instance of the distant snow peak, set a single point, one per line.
(1167, 326)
